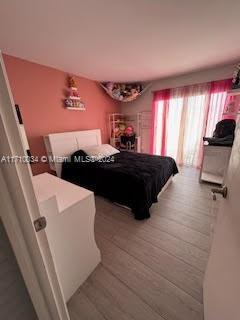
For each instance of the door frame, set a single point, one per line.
(18, 209)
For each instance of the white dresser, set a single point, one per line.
(70, 213)
(215, 163)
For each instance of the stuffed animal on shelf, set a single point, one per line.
(73, 92)
(129, 131)
(116, 132)
(72, 82)
(122, 127)
(110, 86)
(119, 130)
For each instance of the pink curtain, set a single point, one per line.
(216, 100)
(182, 116)
(160, 99)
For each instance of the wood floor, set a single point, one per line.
(151, 269)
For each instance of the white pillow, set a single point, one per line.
(100, 151)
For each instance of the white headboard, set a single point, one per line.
(64, 144)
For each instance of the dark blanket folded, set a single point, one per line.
(131, 179)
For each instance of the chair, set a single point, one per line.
(217, 151)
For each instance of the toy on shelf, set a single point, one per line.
(128, 139)
(129, 131)
(73, 100)
(118, 130)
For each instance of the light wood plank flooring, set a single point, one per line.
(151, 269)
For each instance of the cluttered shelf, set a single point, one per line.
(123, 130)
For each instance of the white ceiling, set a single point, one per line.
(122, 40)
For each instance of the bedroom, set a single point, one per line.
(133, 234)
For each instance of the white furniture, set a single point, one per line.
(144, 123)
(216, 158)
(70, 212)
(62, 145)
(141, 123)
(215, 163)
(81, 108)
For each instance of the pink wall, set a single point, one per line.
(40, 91)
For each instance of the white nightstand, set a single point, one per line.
(70, 213)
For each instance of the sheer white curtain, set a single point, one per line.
(216, 108)
(185, 123)
(193, 128)
(175, 114)
(158, 129)
(183, 117)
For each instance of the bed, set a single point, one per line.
(130, 179)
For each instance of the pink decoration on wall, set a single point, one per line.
(39, 92)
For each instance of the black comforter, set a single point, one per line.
(131, 179)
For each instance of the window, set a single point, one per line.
(183, 116)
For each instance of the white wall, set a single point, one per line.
(144, 103)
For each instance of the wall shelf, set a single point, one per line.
(74, 98)
(76, 108)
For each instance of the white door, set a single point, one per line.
(19, 209)
(222, 278)
(144, 130)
